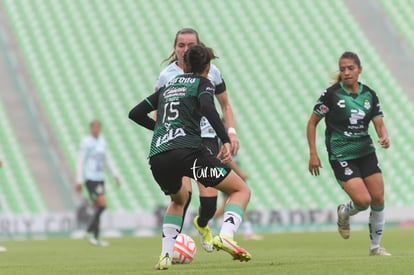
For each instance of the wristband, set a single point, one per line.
(231, 130)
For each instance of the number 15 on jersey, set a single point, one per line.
(170, 111)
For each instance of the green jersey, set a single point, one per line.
(178, 116)
(347, 116)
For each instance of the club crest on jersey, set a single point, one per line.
(367, 105)
(348, 171)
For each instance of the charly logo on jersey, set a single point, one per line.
(341, 103)
(367, 104)
(200, 172)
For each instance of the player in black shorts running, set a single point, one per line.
(176, 151)
(348, 107)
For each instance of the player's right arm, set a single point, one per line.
(208, 110)
(139, 114)
(314, 161)
(320, 110)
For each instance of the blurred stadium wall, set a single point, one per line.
(66, 62)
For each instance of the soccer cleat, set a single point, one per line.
(343, 223)
(97, 242)
(379, 251)
(227, 244)
(103, 243)
(93, 241)
(206, 236)
(164, 263)
(3, 249)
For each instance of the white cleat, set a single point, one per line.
(379, 251)
(343, 223)
(97, 242)
(3, 249)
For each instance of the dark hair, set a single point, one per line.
(172, 58)
(347, 55)
(197, 58)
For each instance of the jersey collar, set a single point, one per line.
(348, 92)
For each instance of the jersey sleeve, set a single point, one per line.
(220, 88)
(376, 111)
(207, 109)
(139, 113)
(217, 79)
(322, 106)
(205, 87)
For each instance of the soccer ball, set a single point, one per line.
(184, 249)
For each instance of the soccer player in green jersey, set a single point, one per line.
(348, 106)
(184, 39)
(177, 151)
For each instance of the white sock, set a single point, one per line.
(231, 222)
(350, 209)
(376, 227)
(247, 228)
(169, 234)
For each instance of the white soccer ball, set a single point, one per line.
(184, 249)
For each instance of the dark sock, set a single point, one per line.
(206, 210)
(185, 210)
(94, 225)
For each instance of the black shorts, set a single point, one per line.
(212, 144)
(355, 168)
(95, 188)
(168, 168)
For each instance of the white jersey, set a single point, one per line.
(93, 160)
(214, 76)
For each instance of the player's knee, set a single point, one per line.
(363, 202)
(379, 200)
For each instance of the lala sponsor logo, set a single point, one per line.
(170, 135)
(200, 172)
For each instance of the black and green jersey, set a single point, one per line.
(178, 116)
(347, 118)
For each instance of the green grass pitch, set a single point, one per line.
(282, 253)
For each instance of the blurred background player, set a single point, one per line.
(348, 106)
(177, 151)
(92, 162)
(184, 39)
(2, 248)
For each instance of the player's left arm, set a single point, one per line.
(114, 172)
(139, 113)
(378, 121)
(382, 132)
(228, 114)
